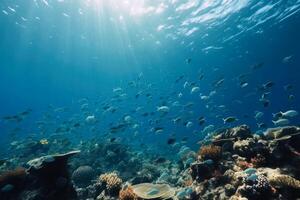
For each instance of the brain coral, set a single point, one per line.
(83, 175)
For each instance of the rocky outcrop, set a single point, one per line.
(46, 178)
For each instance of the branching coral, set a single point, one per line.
(212, 152)
(112, 181)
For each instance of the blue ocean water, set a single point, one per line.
(58, 55)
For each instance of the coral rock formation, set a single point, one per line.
(83, 175)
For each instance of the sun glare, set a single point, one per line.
(129, 7)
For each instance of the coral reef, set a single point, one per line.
(251, 166)
(255, 187)
(233, 164)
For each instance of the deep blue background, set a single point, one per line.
(48, 63)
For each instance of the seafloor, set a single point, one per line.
(233, 164)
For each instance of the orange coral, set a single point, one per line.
(127, 194)
(210, 152)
